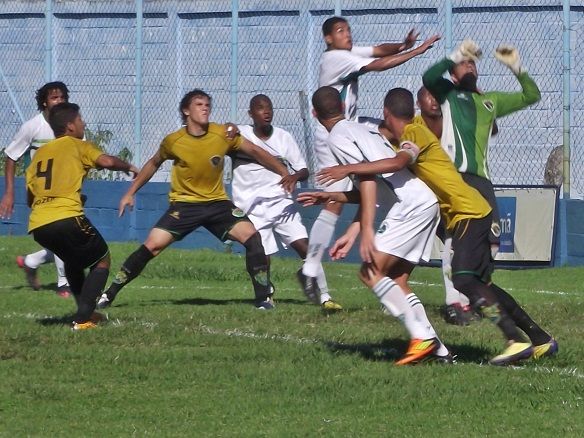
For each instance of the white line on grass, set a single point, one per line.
(238, 333)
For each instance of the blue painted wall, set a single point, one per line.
(152, 200)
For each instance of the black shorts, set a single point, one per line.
(485, 188)
(75, 241)
(472, 249)
(218, 217)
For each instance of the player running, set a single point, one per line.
(258, 192)
(405, 236)
(198, 197)
(57, 222)
(467, 217)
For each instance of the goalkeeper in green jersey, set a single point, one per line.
(469, 114)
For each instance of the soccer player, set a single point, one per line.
(404, 238)
(57, 222)
(258, 192)
(457, 310)
(198, 197)
(467, 217)
(469, 115)
(340, 67)
(33, 134)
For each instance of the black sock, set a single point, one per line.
(257, 266)
(92, 287)
(535, 333)
(487, 304)
(131, 268)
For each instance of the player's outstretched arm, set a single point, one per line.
(114, 163)
(343, 244)
(268, 161)
(143, 176)
(387, 62)
(388, 49)
(307, 199)
(7, 202)
(336, 173)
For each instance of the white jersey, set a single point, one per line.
(33, 134)
(252, 182)
(341, 69)
(352, 143)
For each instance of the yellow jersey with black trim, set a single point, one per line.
(54, 178)
(419, 120)
(197, 170)
(457, 199)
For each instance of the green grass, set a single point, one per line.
(186, 354)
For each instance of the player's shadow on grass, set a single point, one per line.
(56, 320)
(393, 349)
(222, 302)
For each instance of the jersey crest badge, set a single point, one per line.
(237, 212)
(216, 160)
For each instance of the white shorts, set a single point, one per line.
(411, 239)
(277, 217)
(325, 158)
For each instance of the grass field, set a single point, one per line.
(185, 354)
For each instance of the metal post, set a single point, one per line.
(48, 40)
(338, 11)
(448, 26)
(234, 53)
(566, 97)
(138, 85)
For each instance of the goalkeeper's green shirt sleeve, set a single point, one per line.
(508, 103)
(436, 84)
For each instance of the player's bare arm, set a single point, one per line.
(7, 202)
(143, 176)
(114, 163)
(292, 179)
(268, 161)
(368, 190)
(343, 244)
(388, 49)
(308, 199)
(387, 62)
(336, 173)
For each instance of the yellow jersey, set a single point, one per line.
(54, 178)
(197, 170)
(457, 199)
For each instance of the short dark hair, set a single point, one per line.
(327, 102)
(400, 103)
(187, 98)
(327, 26)
(257, 99)
(62, 114)
(42, 93)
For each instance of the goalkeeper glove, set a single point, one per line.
(509, 56)
(466, 51)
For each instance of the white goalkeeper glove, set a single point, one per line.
(509, 56)
(466, 51)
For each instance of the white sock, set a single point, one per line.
(35, 259)
(322, 285)
(421, 316)
(61, 277)
(452, 295)
(393, 299)
(319, 240)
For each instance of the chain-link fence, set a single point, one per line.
(128, 70)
